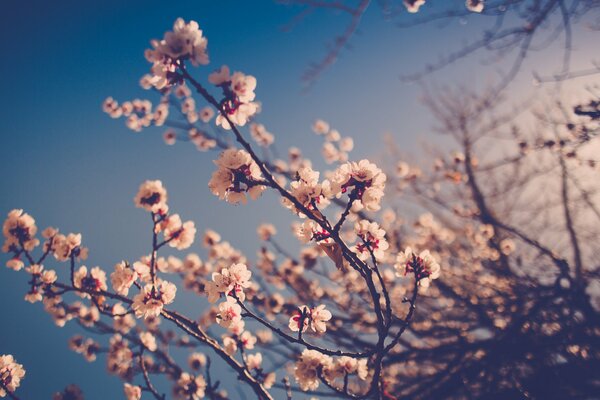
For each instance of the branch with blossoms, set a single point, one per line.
(285, 307)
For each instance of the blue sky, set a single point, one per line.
(71, 166)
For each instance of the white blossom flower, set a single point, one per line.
(373, 240)
(15, 264)
(247, 340)
(310, 230)
(254, 361)
(48, 276)
(132, 392)
(243, 86)
(315, 317)
(19, 229)
(65, 246)
(190, 387)
(33, 295)
(320, 127)
(236, 176)
(308, 368)
(184, 42)
(88, 316)
(93, 281)
(269, 380)
(111, 107)
(152, 197)
(260, 135)
(206, 114)
(266, 231)
(593, 291)
(196, 361)
(424, 266)
(150, 301)
(177, 234)
(148, 340)
(230, 312)
(220, 76)
(11, 374)
(344, 365)
(230, 345)
(239, 95)
(229, 281)
(318, 318)
(364, 179)
(306, 190)
(123, 278)
(122, 320)
(300, 319)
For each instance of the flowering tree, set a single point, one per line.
(281, 308)
(339, 318)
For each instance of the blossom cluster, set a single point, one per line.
(315, 317)
(313, 367)
(139, 113)
(336, 147)
(372, 240)
(423, 265)
(184, 42)
(237, 106)
(11, 374)
(362, 180)
(237, 176)
(134, 295)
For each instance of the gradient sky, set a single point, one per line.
(70, 166)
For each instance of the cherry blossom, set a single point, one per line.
(373, 240)
(254, 361)
(152, 197)
(306, 190)
(364, 180)
(11, 374)
(189, 387)
(92, 281)
(151, 300)
(236, 176)
(19, 230)
(260, 135)
(304, 317)
(423, 265)
(184, 42)
(15, 264)
(230, 313)
(177, 234)
(344, 365)
(300, 319)
(123, 278)
(132, 392)
(266, 231)
(197, 361)
(308, 368)
(64, 247)
(238, 90)
(229, 281)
